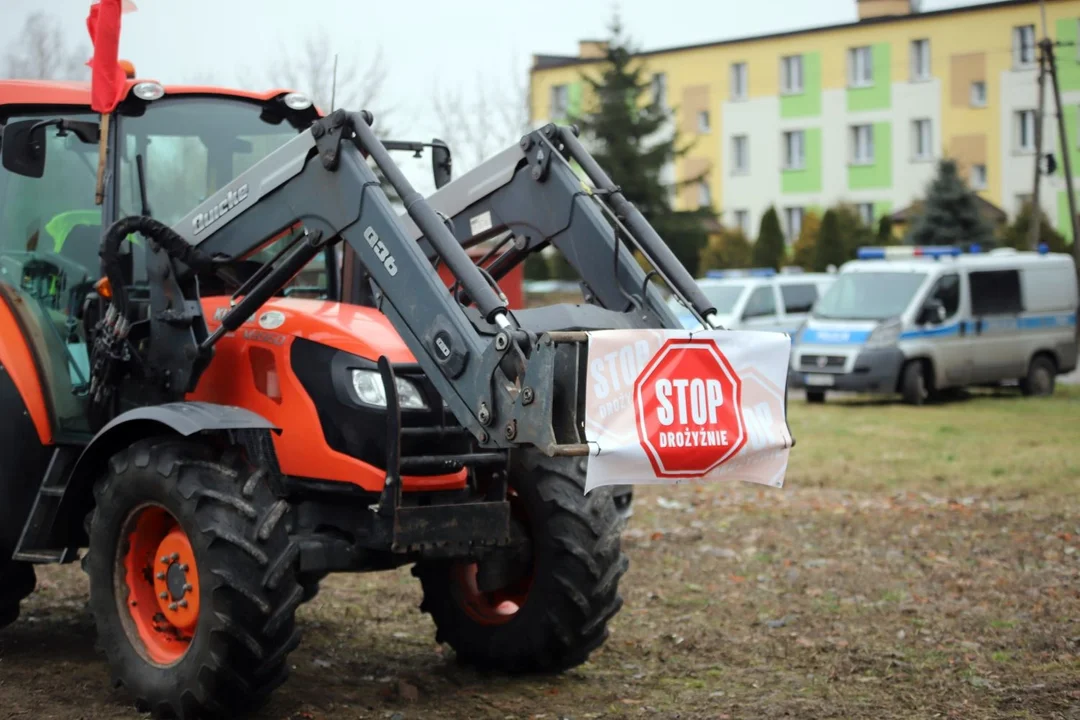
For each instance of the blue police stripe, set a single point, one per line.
(817, 336)
(989, 326)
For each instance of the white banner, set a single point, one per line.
(674, 406)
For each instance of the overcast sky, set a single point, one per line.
(423, 42)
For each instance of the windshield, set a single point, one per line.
(191, 148)
(724, 297)
(869, 295)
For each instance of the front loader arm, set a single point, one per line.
(321, 179)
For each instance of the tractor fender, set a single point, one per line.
(181, 418)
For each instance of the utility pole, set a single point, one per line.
(1036, 215)
(1066, 149)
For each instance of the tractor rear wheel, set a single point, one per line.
(17, 580)
(555, 612)
(192, 579)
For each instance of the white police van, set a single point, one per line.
(758, 298)
(916, 320)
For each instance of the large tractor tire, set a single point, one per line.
(556, 613)
(192, 580)
(17, 580)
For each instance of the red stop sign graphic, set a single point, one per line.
(688, 405)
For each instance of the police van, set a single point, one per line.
(919, 320)
(758, 298)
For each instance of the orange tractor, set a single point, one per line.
(243, 371)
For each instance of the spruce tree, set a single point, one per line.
(770, 250)
(623, 128)
(950, 214)
(831, 244)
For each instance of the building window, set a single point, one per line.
(740, 153)
(739, 79)
(560, 101)
(742, 221)
(860, 67)
(1024, 45)
(794, 150)
(862, 145)
(866, 213)
(922, 139)
(791, 76)
(703, 121)
(659, 88)
(978, 94)
(978, 177)
(793, 217)
(1025, 130)
(920, 60)
(704, 194)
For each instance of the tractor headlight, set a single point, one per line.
(369, 388)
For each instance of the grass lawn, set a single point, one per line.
(919, 563)
(986, 443)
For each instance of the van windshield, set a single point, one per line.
(724, 297)
(869, 295)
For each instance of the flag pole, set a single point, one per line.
(103, 146)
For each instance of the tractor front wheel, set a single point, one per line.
(192, 580)
(554, 610)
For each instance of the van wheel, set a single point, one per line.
(815, 396)
(1040, 378)
(913, 383)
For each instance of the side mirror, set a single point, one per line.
(22, 147)
(933, 312)
(441, 166)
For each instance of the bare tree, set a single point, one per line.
(478, 124)
(43, 53)
(310, 70)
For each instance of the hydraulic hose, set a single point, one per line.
(173, 244)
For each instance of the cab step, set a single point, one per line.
(34, 542)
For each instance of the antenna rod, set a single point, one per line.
(333, 85)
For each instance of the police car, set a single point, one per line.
(915, 320)
(758, 298)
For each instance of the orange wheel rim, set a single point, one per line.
(496, 607)
(161, 607)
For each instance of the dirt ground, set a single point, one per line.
(806, 602)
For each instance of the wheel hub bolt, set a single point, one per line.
(164, 559)
(183, 603)
(163, 595)
(187, 588)
(175, 557)
(183, 568)
(172, 606)
(160, 576)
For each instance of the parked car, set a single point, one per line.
(916, 320)
(758, 299)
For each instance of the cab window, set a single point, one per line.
(762, 303)
(947, 292)
(191, 148)
(798, 298)
(50, 231)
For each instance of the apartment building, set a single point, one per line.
(857, 113)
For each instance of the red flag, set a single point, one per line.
(109, 79)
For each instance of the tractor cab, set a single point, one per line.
(168, 149)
